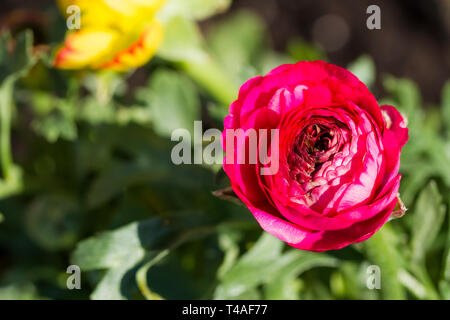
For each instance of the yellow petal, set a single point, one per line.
(124, 15)
(94, 13)
(132, 8)
(139, 52)
(85, 48)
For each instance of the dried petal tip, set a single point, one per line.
(387, 119)
(399, 210)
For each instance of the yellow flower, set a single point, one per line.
(115, 35)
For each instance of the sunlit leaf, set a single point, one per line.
(25, 291)
(56, 126)
(444, 284)
(173, 102)
(364, 69)
(252, 268)
(382, 250)
(237, 43)
(182, 41)
(294, 262)
(194, 9)
(428, 217)
(407, 99)
(301, 50)
(264, 264)
(121, 250)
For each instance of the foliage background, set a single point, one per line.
(89, 179)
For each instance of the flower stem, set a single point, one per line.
(5, 128)
(210, 76)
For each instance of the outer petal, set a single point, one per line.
(340, 80)
(93, 13)
(396, 124)
(85, 48)
(332, 240)
(139, 52)
(120, 14)
(305, 239)
(394, 138)
(362, 195)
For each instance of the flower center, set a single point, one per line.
(313, 146)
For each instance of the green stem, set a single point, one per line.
(103, 92)
(5, 130)
(210, 76)
(141, 275)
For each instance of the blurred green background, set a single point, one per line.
(87, 177)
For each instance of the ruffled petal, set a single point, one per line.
(85, 48)
(396, 124)
(338, 180)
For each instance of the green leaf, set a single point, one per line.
(425, 143)
(173, 101)
(13, 184)
(414, 181)
(405, 91)
(408, 100)
(53, 221)
(116, 179)
(149, 165)
(56, 126)
(349, 281)
(194, 9)
(270, 60)
(55, 117)
(116, 284)
(364, 69)
(217, 112)
(447, 261)
(134, 114)
(264, 264)
(444, 284)
(182, 41)
(429, 214)
(16, 291)
(112, 249)
(251, 269)
(228, 243)
(301, 50)
(381, 250)
(412, 284)
(183, 44)
(209, 75)
(121, 251)
(292, 264)
(237, 43)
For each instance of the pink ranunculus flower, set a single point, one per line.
(339, 155)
